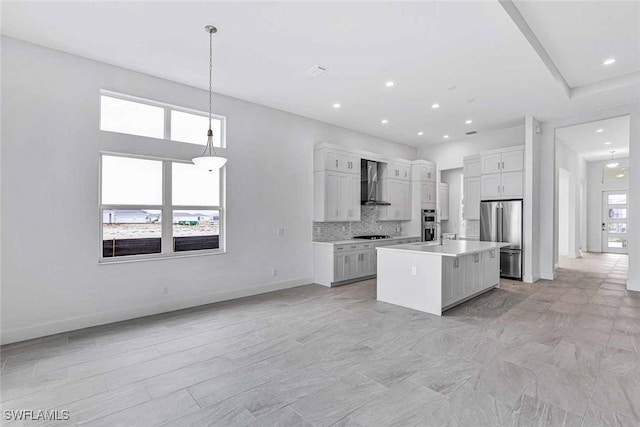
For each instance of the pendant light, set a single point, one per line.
(612, 164)
(209, 160)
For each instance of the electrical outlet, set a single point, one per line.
(379, 226)
(318, 230)
(274, 273)
(280, 231)
(344, 228)
(165, 291)
(414, 271)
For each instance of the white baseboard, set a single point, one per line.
(530, 279)
(66, 325)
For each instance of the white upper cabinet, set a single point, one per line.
(490, 186)
(471, 209)
(429, 194)
(512, 161)
(472, 167)
(512, 184)
(443, 199)
(397, 170)
(336, 197)
(503, 174)
(491, 163)
(327, 159)
(428, 173)
(398, 193)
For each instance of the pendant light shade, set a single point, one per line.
(612, 164)
(209, 160)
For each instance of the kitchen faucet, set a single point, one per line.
(439, 234)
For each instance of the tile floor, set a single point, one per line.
(558, 353)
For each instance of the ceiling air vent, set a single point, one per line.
(471, 132)
(316, 70)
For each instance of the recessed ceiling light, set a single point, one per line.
(434, 106)
(420, 133)
(468, 122)
(620, 175)
(599, 130)
(336, 105)
(445, 136)
(384, 121)
(609, 61)
(607, 143)
(389, 84)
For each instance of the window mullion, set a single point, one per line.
(167, 210)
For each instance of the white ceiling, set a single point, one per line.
(579, 36)
(584, 140)
(263, 49)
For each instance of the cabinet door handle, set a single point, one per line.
(336, 162)
(502, 165)
(476, 258)
(456, 263)
(498, 165)
(498, 189)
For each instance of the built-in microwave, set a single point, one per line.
(428, 225)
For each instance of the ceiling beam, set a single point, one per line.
(607, 84)
(528, 33)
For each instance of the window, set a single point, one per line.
(158, 207)
(617, 213)
(617, 199)
(136, 116)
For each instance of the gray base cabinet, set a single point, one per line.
(468, 275)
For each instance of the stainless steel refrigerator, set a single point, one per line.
(501, 221)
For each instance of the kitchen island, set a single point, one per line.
(433, 278)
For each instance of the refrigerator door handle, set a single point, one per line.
(499, 223)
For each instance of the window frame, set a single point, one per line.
(166, 211)
(167, 117)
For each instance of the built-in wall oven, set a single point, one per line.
(428, 225)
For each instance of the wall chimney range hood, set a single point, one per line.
(369, 189)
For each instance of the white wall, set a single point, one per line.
(51, 280)
(594, 200)
(548, 191)
(530, 217)
(633, 283)
(449, 155)
(453, 177)
(563, 212)
(575, 167)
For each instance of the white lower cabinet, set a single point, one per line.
(452, 278)
(491, 271)
(468, 275)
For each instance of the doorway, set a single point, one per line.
(615, 211)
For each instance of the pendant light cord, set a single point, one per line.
(209, 148)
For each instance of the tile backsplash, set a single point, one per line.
(368, 224)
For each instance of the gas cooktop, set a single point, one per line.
(372, 237)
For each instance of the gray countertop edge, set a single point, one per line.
(351, 241)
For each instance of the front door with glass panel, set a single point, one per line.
(615, 211)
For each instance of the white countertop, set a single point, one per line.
(346, 242)
(448, 248)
